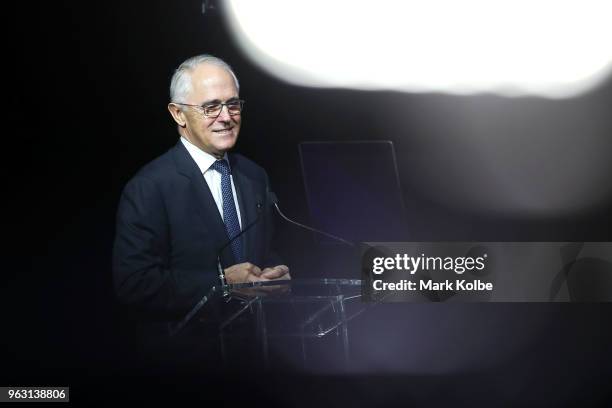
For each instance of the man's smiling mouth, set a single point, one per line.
(223, 131)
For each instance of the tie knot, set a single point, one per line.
(222, 167)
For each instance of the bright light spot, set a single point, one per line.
(551, 48)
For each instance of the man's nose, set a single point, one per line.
(224, 115)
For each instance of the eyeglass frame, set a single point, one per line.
(203, 106)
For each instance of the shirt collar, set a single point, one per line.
(203, 160)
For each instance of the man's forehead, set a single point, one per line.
(210, 74)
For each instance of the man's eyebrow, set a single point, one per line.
(213, 101)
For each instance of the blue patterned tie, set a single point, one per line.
(230, 215)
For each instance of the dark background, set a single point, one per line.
(90, 91)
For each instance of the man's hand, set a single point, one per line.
(279, 272)
(243, 273)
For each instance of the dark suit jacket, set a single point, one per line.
(169, 231)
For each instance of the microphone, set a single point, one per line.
(274, 200)
(235, 237)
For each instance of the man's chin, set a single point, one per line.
(226, 146)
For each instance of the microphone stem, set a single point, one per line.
(310, 228)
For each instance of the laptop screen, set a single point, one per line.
(353, 190)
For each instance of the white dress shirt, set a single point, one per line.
(213, 178)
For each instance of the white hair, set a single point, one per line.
(180, 84)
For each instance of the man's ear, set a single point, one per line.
(177, 114)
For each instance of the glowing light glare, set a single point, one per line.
(544, 47)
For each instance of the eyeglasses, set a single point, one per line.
(213, 110)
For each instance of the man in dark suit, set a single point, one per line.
(177, 215)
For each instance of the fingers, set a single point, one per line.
(247, 272)
(249, 268)
(254, 278)
(243, 272)
(277, 272)
(255, 270)
(270, 273)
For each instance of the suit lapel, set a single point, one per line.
(205, 203)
